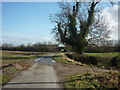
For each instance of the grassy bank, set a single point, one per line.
(65, 60)
(13, 62)
(98, 80)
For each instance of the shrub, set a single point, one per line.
(86, 59)
(89, 59)
(115, 62)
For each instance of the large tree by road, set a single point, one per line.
(79, 23)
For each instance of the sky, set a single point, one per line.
(28, 22)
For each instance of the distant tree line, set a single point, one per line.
(104, 47)
(107, 46)
(38, 47)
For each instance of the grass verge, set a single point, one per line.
(90, 80)
(59, 58)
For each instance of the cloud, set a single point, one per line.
(111, 15)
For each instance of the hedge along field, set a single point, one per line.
(102, 60)
(14, 62)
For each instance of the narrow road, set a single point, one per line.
(40, 75)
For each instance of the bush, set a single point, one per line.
(115, 62)
(86, 59)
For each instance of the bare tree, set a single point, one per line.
(79, 24)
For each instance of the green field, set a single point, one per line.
(112, 54)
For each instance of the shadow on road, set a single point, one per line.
(34, 83)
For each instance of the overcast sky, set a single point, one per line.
(28, 22)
